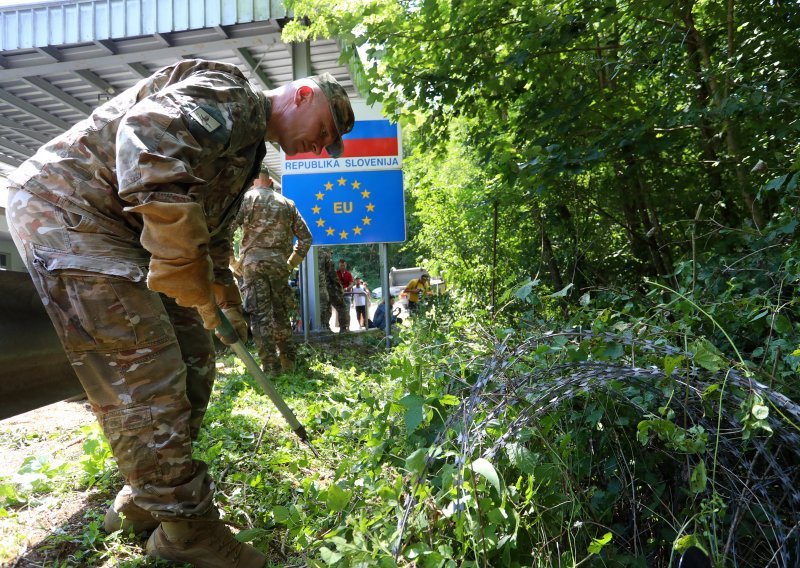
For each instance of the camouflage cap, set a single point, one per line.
(263, 168)
(342, 112)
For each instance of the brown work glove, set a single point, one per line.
(294, 261)
(230, 302)
(189, 283)
(177, 238)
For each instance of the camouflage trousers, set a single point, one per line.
(146, 364)
(324, 306)
(268, 299)
(334, 299)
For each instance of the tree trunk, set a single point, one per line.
(633, 225)
(494, 257)
(707, 134)
(731, 132)
(550, 258)
(647, 238)
(656, 240)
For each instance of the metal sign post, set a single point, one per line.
(387, 293)
(302, 282)
(309, 293)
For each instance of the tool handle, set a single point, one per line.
(225, 329)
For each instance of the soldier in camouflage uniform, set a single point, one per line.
(124, 224)
(324, 297)
(270, 222)
(331, 293)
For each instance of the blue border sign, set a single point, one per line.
(350, 207)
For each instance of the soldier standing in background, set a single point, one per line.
(324, 295)
(124, 222)
(330, 286)
(270, 222)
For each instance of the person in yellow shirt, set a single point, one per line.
(416, 287)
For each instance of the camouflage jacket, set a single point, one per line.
(270, 222)
(193, 131)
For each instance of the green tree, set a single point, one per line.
(599, 128)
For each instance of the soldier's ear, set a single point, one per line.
(303, 94)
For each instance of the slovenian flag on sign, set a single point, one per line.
(368, 138)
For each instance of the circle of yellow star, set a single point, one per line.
(365, 221)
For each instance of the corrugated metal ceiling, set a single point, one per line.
(59, 60)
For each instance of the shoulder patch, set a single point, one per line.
(205, 121)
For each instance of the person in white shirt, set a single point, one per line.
(361, 302)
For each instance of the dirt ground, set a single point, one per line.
(52, 431)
